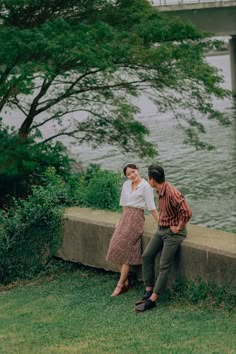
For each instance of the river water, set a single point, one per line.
(207, 179)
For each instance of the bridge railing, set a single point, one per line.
(181, 2)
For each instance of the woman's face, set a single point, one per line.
(132, 174)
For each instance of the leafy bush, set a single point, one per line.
(23, 163)
(95, 188)
(36, 183)
(30, 234)
(103, 191)
(31, 229)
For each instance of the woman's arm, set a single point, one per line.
(117, 223)
(155, 215)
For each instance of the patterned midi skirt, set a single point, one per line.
(125, 245)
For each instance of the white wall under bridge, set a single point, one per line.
(215, 16)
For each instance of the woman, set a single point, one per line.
(125, 245)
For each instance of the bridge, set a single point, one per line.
(215, 16)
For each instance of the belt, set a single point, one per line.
(163, 227)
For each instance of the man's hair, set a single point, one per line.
(157, 173)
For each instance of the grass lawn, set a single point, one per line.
(74, 313)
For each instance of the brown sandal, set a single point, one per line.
(120, 290)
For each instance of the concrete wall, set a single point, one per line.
(206, 253)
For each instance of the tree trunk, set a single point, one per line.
(25, 127)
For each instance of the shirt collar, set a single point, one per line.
(140, 183)
(163, 189)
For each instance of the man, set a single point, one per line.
(174, 213)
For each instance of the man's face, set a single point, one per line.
(151, 182)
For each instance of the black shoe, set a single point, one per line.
(144, 306)
(145, 297)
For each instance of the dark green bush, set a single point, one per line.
(31, 229)
(95, 188)
(23, 163)
(104, 190)
(30, 234)
(36, 184)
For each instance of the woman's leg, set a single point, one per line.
(124, 271)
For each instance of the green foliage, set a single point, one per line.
(103, 190)
(31, 229)
(30, 234)
(23, 163)
(95, 188)
(90, 58)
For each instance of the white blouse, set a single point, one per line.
(141, 197)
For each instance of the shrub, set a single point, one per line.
(31, 229)
(95, 188)
(30, 234)
(104, 190)
(23, 163)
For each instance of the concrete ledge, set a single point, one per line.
(208, 254)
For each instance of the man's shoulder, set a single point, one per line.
(172, 190)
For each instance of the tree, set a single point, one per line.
(23, 163)
(91, 57)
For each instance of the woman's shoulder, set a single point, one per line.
(126, 183)
(145, 183)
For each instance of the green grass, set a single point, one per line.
(74, 313)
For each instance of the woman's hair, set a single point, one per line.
(130, 165)
(157, 173)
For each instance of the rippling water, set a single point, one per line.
(206, 178)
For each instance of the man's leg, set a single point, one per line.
(148, 264)
(171, 244)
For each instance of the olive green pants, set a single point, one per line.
(166, 242)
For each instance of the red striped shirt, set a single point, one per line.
(172, 206)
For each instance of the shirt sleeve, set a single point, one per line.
(182, 207)
(149, 197)
(122, 196)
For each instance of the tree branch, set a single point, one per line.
(17, 104)
(51, 118)
(25, 127)
(60, 134)
(92, 88)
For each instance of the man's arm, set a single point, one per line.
(183, 210)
